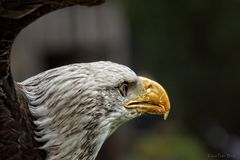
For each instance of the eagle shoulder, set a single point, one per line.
(16, 128)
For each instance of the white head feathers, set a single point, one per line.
(77, 107)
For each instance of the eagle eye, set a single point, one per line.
(123, 89)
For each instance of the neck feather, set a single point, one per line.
(71, 124)
(73, 113)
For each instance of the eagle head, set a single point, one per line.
(76, 107)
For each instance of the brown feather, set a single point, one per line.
(16, 128)
(16, 123)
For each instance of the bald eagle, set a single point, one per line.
(67, 112)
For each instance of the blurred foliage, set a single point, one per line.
(167, 147)
(192, 47)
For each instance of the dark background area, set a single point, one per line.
(190, 47)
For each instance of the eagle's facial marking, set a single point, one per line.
(76, 107)
(123, 89)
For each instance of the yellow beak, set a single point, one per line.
(154, 100)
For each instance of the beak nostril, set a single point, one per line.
(149, 86)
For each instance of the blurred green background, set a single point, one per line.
(190, 47)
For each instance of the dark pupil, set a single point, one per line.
(124, 89)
